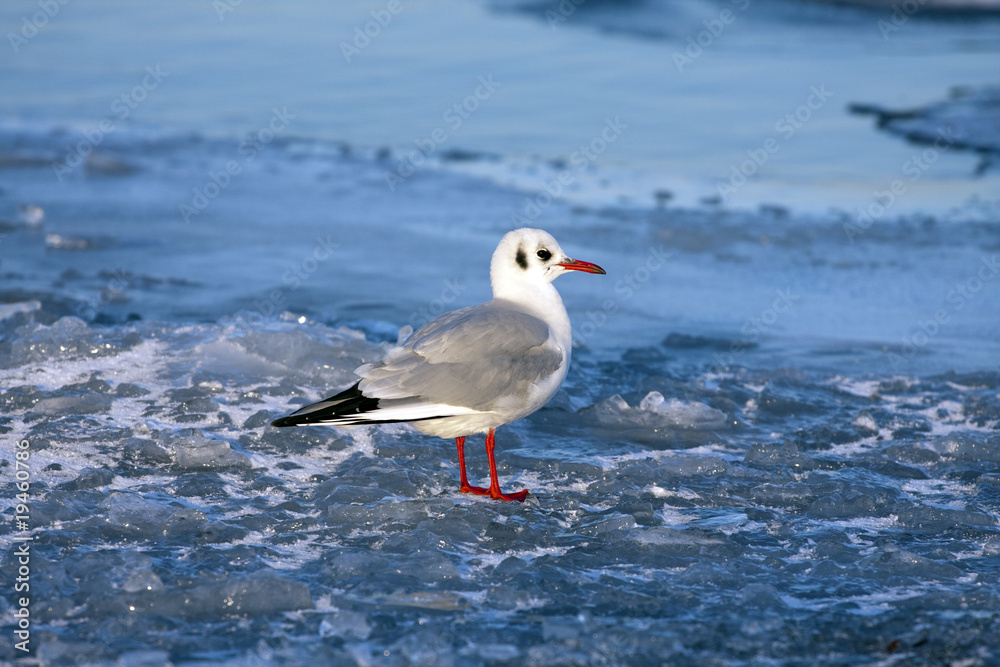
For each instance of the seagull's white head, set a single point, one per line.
(528, 259)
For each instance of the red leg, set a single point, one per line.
(465, 488)
(494, 490)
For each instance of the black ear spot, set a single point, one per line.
(544, 255)
(522, 259)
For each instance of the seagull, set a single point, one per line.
(473, 369)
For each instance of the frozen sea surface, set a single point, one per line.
(779, 440)
(759, 514)
(771, 447)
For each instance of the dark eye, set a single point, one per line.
(544, 255)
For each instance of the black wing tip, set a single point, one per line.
(352, 402)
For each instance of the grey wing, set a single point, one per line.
(471, 357)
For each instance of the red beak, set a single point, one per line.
(580, 265)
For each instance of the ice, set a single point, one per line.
(134, 517)
(133, 514)
(503, 597)
(497, 652)
(915, 454)
(795, 496)
(614, 524)
(129, 390)
(936, 519)
(893, 469)
(145, 451)
(106, 165)
(982, 409)
(339, 494)
(992, 547)
(66, 338)
(56, 652)
(150, 658)
(440, 601)
(690, 464)
(966, 115)
(9, 310)
(969, 450)
(198, 453)
(90, 478)
(761, 597)
(216, 596)
(666, 539)
(62, 242)
(979, 450)
(134, 573)
(670, 422)
(328, 358)
(430, 568)
(61, 505)
(697, 497)
(866, 423)
(30, 214)
(778, 456)
(21, 397)
(892, 561)
(347, 565)
(345, 624)
(60, 406)
(854, 503)
(194, 399)
(425, 647)
(785, 398)
(679, 413)
(655, 411)
(142, 581)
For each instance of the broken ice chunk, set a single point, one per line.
(656, 411)
(197, 453)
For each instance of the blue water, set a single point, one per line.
(778, 441)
